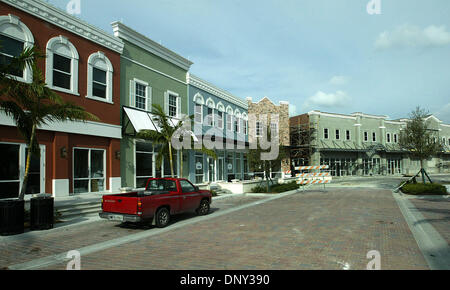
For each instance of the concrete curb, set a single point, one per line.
(433, 246)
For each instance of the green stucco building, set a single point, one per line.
(150, 74)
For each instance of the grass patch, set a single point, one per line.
(424, 189)
(279, 188)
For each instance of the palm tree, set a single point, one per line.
(32, 105)
(163, 137)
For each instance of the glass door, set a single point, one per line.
(220, 169)
(12, 171)
(211, 170)
(88, 170)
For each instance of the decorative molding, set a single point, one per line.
(359, 114)
(126, 33)
(152, 69)
(60, 18)
(204, 85)
(319, 113)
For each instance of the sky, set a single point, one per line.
(328, 55)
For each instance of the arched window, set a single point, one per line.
(237, 121)
(229, 118)
(210, 113)
(100, 78)
(198, 110)
(14, 38)
(245, 123)
(62, 65)
(220, 115)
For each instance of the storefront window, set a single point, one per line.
(89, 170)
(199, 171)
(9, 171)
(144, 163)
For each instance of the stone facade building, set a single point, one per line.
(267, 107)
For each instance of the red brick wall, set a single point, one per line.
(43, 32)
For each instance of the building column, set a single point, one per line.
(61, 161)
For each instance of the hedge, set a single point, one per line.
(424, 189)
(279, 188)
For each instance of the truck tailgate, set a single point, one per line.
(124, 204)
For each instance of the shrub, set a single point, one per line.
(424, 189)
(285, 187)
(259, 189)
(279, 188)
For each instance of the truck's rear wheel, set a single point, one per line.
(204, 207)
(162, 217)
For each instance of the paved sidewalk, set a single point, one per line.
(314, 230)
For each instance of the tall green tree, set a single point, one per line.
(32, 105)
(256, 163)
(419, 140)
(163, 138)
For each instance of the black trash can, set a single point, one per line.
(12, 217)
(41, 213)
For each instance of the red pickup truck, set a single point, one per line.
(162, 198)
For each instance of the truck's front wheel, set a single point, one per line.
(203, 208)
(162, 217)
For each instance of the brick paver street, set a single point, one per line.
(18, 250)
(314, 230)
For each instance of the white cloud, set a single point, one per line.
(339, 80)
(412, 36)
(444, 114)
(292, 110)
(321, 99)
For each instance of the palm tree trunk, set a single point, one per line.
(28, 163)
(171, 160)
(181, 163)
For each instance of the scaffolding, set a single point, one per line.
(302, 138)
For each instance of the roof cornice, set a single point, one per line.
(210, 88)
(126, 33)
(60, 18)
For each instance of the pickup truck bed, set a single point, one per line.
(163, 197)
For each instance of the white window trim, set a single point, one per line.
(349, 138)
(74, 65)
(374, 137)
(22, 164)
(326, 132)
(260, 129)
(166, 103)
(389, 138)
(201, 113)
(26, 37)
(223, 119)
(338, 134)
(229, 120)
(109, 77)
(364, 136)
(148, 94)
(105, 169)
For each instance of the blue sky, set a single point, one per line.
(328, 55)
